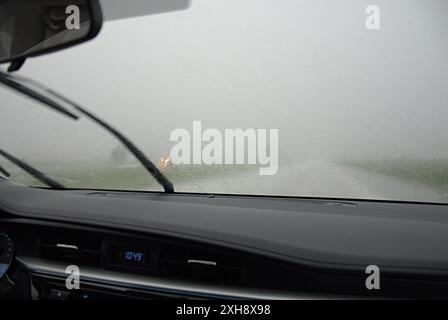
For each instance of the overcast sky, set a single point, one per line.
(309, 68)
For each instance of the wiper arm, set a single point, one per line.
(32, 171)
(9, 81)
(141, 157)
(4, 172)
(147, 164)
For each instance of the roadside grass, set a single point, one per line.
(125, 177)
(433, 173)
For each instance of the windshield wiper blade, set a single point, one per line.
(9, 81)
(32, 171)
(146, 163)
(4, 172)
(131, 147)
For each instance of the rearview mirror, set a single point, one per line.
(33, 27)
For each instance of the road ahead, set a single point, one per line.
(319, 179)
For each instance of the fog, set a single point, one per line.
(311, 69)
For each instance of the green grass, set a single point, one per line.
(433, 173)
(126, 178)
(429, 172)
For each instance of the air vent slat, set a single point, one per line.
(71, 248)
(191, 263)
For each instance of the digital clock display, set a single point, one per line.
(132, 257)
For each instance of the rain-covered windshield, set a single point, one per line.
(317, 98)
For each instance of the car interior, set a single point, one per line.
(171, 242)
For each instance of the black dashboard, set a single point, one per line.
(159, 245)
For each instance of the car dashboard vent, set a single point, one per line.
(200, 264)
(71, 248)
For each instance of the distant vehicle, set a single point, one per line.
(166, 163)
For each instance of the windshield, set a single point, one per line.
(340, 99)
